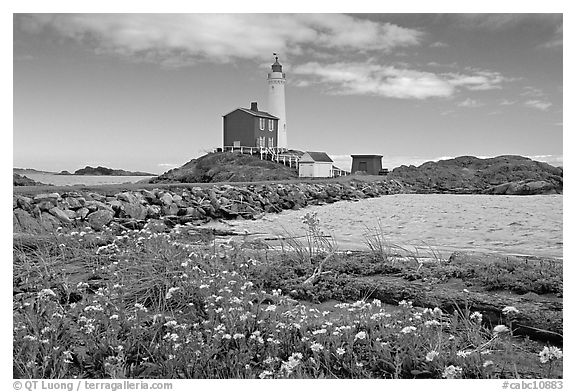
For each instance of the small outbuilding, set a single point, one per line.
(315, 164)
(368, 164)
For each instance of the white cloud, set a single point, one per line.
(507, 102)
(181, 39)
(538, 104)
(470, 103)
(438, 44)
(393, 82)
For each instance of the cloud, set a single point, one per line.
(470, 103)
(557, 41)
(182, 39)
(507, 102)
(393, 82)
(538, 104)
(502, 21)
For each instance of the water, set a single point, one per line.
(86, 180)
(526, 225)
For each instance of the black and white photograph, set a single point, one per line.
(273, 195)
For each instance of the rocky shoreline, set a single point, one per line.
(45, 213)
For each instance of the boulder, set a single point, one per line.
(24, 202)
(46, 205)
(82, 213)
(127, 197)
(153, 211)
(75, 203)
(97, 197)
(97, 220)
(60, 215)
(47, 196)
(49, 222)
(135, 210)
(171, 209)
(24, 222)
(166, 199)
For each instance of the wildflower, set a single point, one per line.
(466, 291)
(319, 331)
(360, 335)
(265, 374)
(276, 293)
(340, 351)
(509, 309)
(431, 323)
(452, 372)
(476, 317)
(500, 329)
(171, 323)
(550, 353)
(203, 286)
(227, 336)
(431, 355)
(238, 336)
(270, 308)
(269, 360)
(140, 307)
(316, 347)
(437, 312)
(359, 364)
(114, 317)
(407, 330)
(377, 302)
(487, 363)
(405, 304)
(463, 354)
(171, 291)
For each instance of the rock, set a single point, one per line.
(49, 222)
(75, 203)
(46, 196)
(94, 205)
(135, 210)
(127, 197)
(82, 213)
(150, 197)
(166, 199)
(171, 209)
(153, 211)
(24, 202)
(61, 215)
(46, 205)
(97, 220)
(97, 197)
(25, 222)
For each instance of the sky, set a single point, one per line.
(148, 91)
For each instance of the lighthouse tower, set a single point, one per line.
(277, 101)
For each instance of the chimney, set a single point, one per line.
(254, 106)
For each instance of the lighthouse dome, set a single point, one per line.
(276, 67)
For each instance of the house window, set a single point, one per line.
(262, 124)
(270, 125)
(270, 142)
(261, 142)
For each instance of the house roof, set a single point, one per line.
(314, 156)
(254, 113)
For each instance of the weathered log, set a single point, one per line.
(539, 318)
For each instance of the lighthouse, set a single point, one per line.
(277, 101)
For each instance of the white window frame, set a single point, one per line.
(271, 142)
(270, 125)
(262, 124)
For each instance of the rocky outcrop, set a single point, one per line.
(104, 171)
(132, 209)
(227, 167)
(20, 180)
(507, 174)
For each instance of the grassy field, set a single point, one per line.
(142, 304)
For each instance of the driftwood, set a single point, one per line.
(317, 272)
(539, 318)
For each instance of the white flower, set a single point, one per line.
(463, 354)
(46, 292)
(408, 329)
(476, 317)
(432, 323)
(509, 309)
(452, 372)
(316, 347)
(319, 331)
(500, 329)
(487, 363)
(265, 374)
(270, 308)
(360, 335)
(550, 353)
(431, 355)
(340, 351)
(238, 336)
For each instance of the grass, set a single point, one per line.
(142, 304)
